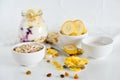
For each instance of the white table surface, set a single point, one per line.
(100, 16)
(104, 69)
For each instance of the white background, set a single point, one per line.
(98, 15)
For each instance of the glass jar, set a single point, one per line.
(32, 27)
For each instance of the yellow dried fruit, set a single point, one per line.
(57, 65)
(73, 28)
(52, 38)
(80, 51)
(75, 69)
(32, 15)
(70, 49)
(68, 28)
(53, 52)
(75, 63)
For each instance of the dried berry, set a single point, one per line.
(76, 76)
(56, 55)
(66, 74)
(30, 26)
(64, 66)
(21, 28)
(82, 67)
(48, 61)
(49, 75)
(62, 76)
(28, 72)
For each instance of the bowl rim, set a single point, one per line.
(94, 37)
(74, 36)
(19, 44)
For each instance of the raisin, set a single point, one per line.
(64, 66)
(66, 74)
(76, 76)
(48, 61)
(62, 76)
(49, 75)
(28, 72)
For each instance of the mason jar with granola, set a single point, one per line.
(32, 27)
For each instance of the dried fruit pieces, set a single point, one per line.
(52, 38)
(80, 27)
(62, 76)
(52, 52)
(32, 15)
(76, 76)
(48, 61)
(28, 72)
(72, 49)
(66, 74)
(73, 28)
(68, 28)
(57, 65)
(75, 63)
(49, 75)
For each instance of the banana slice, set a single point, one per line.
(30, 13)
(79, 26)
(73, 34)
(84, 31)
(39, 12)
(80, 51)
(68, 28)
(70, 49)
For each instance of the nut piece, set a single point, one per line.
(66, 74)
(62, 76)
(76, 76)
(49, 75)
(28, 72)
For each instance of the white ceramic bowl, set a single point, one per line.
(97, 46)
(29, 59)
(65, 39)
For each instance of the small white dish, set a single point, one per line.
(97, 46)
(28, 59)
(65, 39)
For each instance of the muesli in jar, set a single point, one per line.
(32, 27)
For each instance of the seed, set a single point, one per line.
(62, 76)
(48, 61)
(66, 74)
(28, 72)
(76, 76)
(49, 75)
